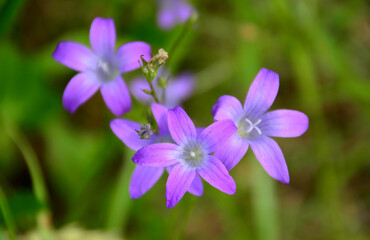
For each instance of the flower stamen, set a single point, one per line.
(104, 66)
(253, 126)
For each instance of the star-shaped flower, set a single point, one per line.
(255, 126)
(100, 67)
(143, 177)
(190, 155)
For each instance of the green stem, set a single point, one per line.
(31, 161)
(38, 183)
(7, 215)
(187, 27)
(153, 93)
(180, 218)
(120, 204)
(264, 203)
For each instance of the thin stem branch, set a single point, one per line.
(153, 93)
(7, 215)
(187, 27)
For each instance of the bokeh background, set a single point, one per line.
(321, 50)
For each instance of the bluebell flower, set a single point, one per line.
(255, 126)
(144, 177)
(190, 155)
(100, 67)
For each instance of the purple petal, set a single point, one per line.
(160, 115)
(81, 87)
(199, 130)
(125, 131)
(269, 154)
(173, 12)
(178, 183)
(196, 187)
(166, 19)
(183, 11)
(215, 135)
(179, 89)
(216, 174)
(227, 107)
(262, 93)
(157, 155)
(180, 125)
(116, 96)
(128, 55)
(75, 56)
(232, 151)
(143, 179)
(284, 123)
(137, 86)
(103, 36)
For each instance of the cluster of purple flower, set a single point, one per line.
(187, 153)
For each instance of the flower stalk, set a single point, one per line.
(38, 182)
(150, 70)
(7, 215)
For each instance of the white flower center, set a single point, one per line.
(107, 70)
(248, 128)
(193, 155)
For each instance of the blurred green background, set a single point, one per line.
(321, 50)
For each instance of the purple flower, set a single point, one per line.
(255, 126)
(100, 67)
(143, 177)
(189, 156)
(177, 90)
(172, 12)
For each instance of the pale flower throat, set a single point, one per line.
(248, 129)
(107, 70)
(193, 155)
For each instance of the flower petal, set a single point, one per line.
(216, 134)
(157, 155)
(284, 123)
(128, 55)
(216, 174)
(196, 187)
(178, 183)
(103, 36)
(270, 156)
(227, 107)
(262, 93)
(143, 179)
(81, 87)
(75, 56)
(183, 11)
(173, 12)
(179, 89)
(125, 131)
(166, 19)
(160, 115)
(180, 125)
(232, 151)
(137, 86)
(116, 96)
